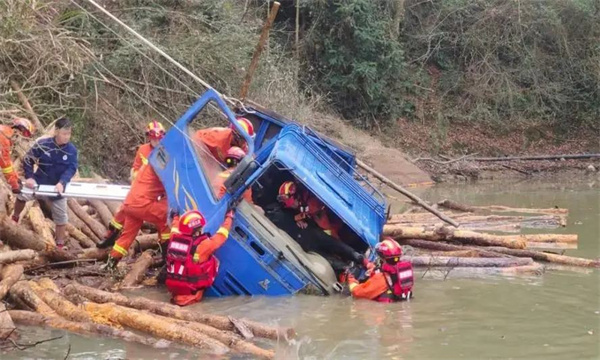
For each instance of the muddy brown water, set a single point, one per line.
(553, 316)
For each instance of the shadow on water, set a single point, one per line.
(554, 316)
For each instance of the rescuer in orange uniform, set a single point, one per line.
(7, 133)
(233, 158)
(392, 280)
(308, 207)
(155, 132)
(191, 265)
(218, 140)
(146, 201)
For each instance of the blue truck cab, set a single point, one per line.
(258, 258)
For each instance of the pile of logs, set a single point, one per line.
(468, 250)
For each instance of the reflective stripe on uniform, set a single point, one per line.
(352, 285)
(144, 159)
(7, 170)
(117, 225)
(328, 232)
(223, 231)
(120, 249)
(165, 236)
(196, 257)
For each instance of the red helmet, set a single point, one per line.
(24, 126)
(388, 248)
(155, 130)
(234, 155)
(190, 222)
(246, 125)
(287, 192)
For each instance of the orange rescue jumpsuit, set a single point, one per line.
(6, 133)
(202, 254)
(146, 201)
(218, 140)
(220, 183)
(141, 159)
(317, 211)
(370, 289)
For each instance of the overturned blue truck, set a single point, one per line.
(259, 258)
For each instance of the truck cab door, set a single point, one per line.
(187, 169)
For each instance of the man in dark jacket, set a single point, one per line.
(56, 160)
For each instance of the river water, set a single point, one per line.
(553, 316)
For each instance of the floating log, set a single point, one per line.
(102, 210)
(444, 261)
(6, 324)
(98, 229)
(165, 309)
(534, 269)
(10, 274)
(447, 234)
(156, 326)
(17, 255)
(452, 205)
(228, 338)
(35, 319)
(23, 291)
(138, 270)
(550, 246)
(552, 258)
(441, 246)
(59, 304)
(38, 223)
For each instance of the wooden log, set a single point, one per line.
(47, 283)
(457, 253)
(228, 338)
(17, 237)
(441, 246)
(165, 309)
(95, 253)
(113, 206)
(10, 274)
(444, 261)
(138, 270)
(549, 257)
(23, 291)
(90, 329)
(59, 304)
(534, 269)
(102, 210)
(447, 234)
(146, 242)
(79, 224)
(7, 327)
(406, 193)
(4, 200)
(78, 235)
(38, 222)
(451, 205)
(550, 238)
(98, 229)
(17, 255)
(149, 323)
(550, 246)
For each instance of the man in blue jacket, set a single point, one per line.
(56, 160)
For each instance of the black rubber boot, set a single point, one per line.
(110, 239)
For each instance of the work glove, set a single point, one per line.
(230, 213)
